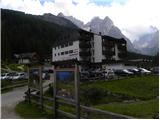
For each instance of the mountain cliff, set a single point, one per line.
(105, 26)
(148, 44)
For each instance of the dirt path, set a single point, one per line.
(9, 100)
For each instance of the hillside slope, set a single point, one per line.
(28, 33)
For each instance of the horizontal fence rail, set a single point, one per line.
(14, 84)
(59, 104)
(82, 107)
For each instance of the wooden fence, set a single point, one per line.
(85, 112)
(36, 90)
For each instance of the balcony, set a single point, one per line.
(108, 44)
(108, 52)
(122, 54)
(84, 45)
(85, 59)
(121, 47)
(85, 53)
(85, 38)
(86, 49)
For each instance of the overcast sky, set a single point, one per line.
(133, 17)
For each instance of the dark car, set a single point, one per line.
(84, 74)
(99, 72)
(144, 71)
(123, 72)
(155, 70)
(134, 71)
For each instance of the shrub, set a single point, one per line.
(90, 96)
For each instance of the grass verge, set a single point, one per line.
(143, 109)
(144, 87)
(31, 111)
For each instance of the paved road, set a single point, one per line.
(9, 100)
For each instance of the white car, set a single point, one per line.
(109, 74)
(5, 76)
(19, 76)
(127, 71)
(144, 71)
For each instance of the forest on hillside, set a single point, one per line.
(23, 33)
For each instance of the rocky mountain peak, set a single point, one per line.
(108, 20)
(61, 14)
(105, 26)
(148, 43)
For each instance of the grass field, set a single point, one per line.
(144, 87)
(31, 111)
(143, 109)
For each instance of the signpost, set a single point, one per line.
(66, 85)
(35, 83)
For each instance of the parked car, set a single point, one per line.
(4, 76)
(84, 74)
(92, 72)
(144, 71)
(123, 72)
(135, 71)
(21, 75)
(155, 70)
(98, 72)
(109, 74)
(10, 75)
(7, 76)
(45, 76)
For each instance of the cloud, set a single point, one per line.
(133, 17)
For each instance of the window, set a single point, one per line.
(66, 52)
(62, 46)
(92, 52)
(65, 45)
(70, 43)
(70, 51)
(58, 54)
(62, 53)
(92, 59)
(54, 54)
(92, 44)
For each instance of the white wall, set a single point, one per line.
(116, 53)
(75, 54)
(97, 48)
(24, 61)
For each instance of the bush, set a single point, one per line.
(90, 96)
(14, 67)
(49, 92)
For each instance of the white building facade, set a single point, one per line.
(71, 51)
(90, 47)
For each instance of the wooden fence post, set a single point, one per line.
(76, 78)
(54, 92)
(41, 87)
(29, 91)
